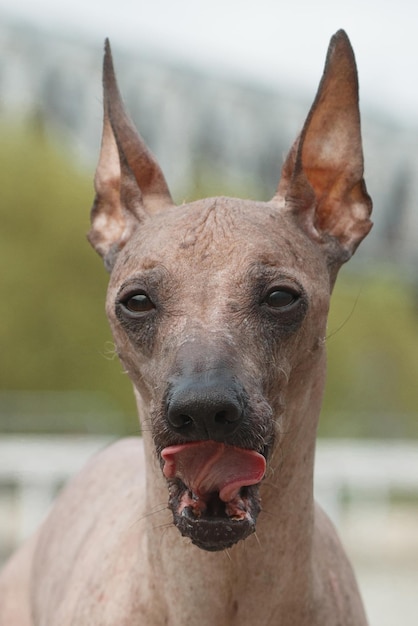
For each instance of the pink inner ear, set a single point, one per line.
(210, 467)
(322, 178)
(129, 182)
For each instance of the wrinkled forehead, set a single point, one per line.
(216, 234)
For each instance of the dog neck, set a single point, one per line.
(279, 554)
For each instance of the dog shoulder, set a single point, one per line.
(111, 480)
(94, 525)
(336, 586)
(15, 587)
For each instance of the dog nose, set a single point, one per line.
(199, 408)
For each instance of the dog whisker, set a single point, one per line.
(228, 554)
(257, 538)
(347, 319)
(164, 526)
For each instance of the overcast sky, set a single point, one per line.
(271, 41)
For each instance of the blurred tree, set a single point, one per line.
(373, 358)
(53, 331)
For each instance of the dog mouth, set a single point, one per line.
(213, 491)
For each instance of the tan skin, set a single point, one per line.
(109, 552)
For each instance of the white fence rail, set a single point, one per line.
(32, 468)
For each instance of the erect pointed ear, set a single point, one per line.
(129, 183)
(322, 178)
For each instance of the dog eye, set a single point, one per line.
(138, 303)
(281, 298)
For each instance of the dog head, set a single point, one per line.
(218, 307)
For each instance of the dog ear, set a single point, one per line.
(322, 178)
(129, 183)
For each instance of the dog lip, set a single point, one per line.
(214, 535)
(210, 523)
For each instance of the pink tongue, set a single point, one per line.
(208, 466)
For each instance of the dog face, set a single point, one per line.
(215, 313)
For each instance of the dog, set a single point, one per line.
(218, 310)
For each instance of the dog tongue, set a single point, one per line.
(208, 466)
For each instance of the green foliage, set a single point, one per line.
(53, 332)
(54, 335)
(372, 358)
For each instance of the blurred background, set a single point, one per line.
(219, 91)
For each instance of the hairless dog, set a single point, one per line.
(218, 310)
